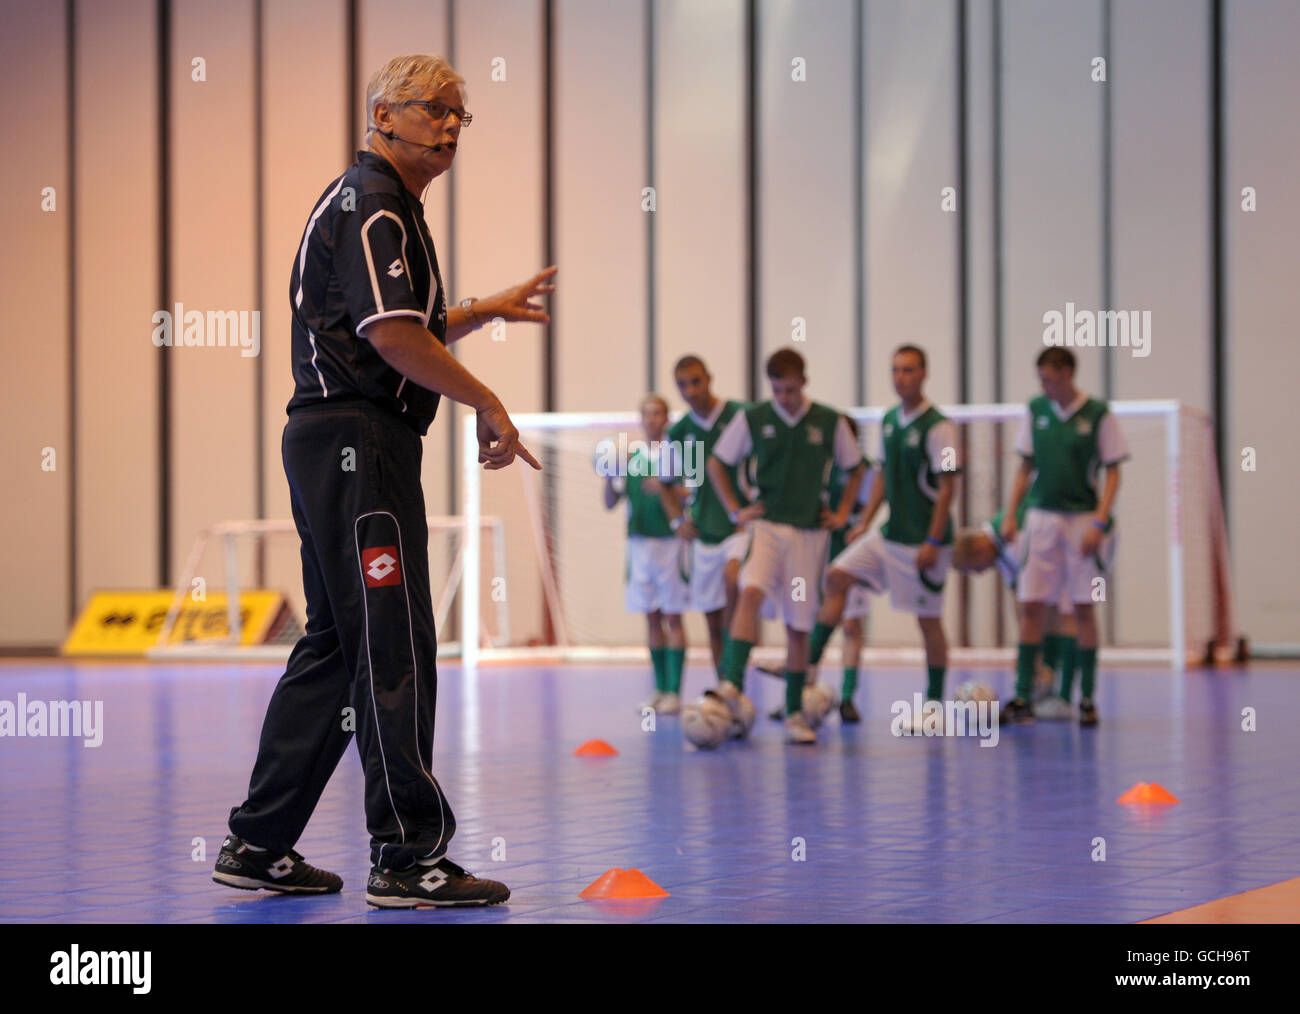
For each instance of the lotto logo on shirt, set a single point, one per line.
(380, 566)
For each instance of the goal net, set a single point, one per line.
(1168, 598)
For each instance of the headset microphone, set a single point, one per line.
(392, 136)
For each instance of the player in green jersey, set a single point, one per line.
(694, 511)
(911, 553)
(1065, 440)
(656, 584)
(793, 441)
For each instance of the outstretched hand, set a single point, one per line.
(498, 440)
(521, 302)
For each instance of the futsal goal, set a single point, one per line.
(1168, 600)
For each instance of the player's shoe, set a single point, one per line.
(777, 714)
(442, 885)
(848, 712)
(1053, 709)
(1087, 713)
(1016, 712)
(242, 867)
(652, 702)
(669, 704)
(797, 729)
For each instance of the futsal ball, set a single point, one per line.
(973, 691)
(707, 721)
(817, 703)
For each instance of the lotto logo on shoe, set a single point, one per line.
(380, 566)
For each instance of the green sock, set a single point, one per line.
(676, 659)
(1069, 662)
(817, 642)
(661, 669)
(1026, 658)
(850, 682)
(734, 659)
(934, 687)
(794, 691)
(1087, 672)
(1052, 650)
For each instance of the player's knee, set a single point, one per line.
(838, 581)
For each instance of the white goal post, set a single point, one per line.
(1172, 581)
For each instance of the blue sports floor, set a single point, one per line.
(892, 829)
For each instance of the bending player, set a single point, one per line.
(793, 441)
(974, 551)
(911, 553)
(697, 516)
(1064, 440)
(656, 585)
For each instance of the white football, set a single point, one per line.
(707, 721)
(817, 702)
(975, 691)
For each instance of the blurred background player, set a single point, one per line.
(656, 584)
(858, 602)
(695, 513)
(794, 442)
(1065, 439)
(974, 551)
(917, 475)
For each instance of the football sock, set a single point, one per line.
(1069, 663)
(661, 671)
(817, 642)
(1087, 672)
(735, 658)
(1051, 650)
(934, 686)
(794, 691)
(676, 660)
(850, 682)
(1026, 657)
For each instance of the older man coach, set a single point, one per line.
(370, 325)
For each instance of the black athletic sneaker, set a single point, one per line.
(1087, 713)
(777, 714)
(1016, 712)
(239, 866)
(849, 713)
(439, 886)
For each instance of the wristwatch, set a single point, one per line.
(468, 306)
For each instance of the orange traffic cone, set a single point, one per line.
(595, 748)
(1148, 793)
(623, 884)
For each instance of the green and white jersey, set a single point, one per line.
(705, 509)
(792, 456)
(914, 450)
(1068, 447)
(645, 511)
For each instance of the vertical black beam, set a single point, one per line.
(651, 323)
(999, 328)
(70, 204)
(752, 231)
(859, 209)
(259, 267)
(550, 458)
(164, 23)
(963, 297)
(351, 142)
(1218, 279)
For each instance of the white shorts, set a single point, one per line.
(1055, 568)
(708, 570)
(1064, 605)
(656, 581)
(787, 563)
(857, 603)
(880, 564)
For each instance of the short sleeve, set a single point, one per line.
(880, 444)
(943, 435)
(1025, 438)
(735, 441)
(1111, 444)
(370, 262)
(848, 455)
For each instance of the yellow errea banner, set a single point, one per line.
(128, 622)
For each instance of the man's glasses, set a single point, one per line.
(439, 111)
